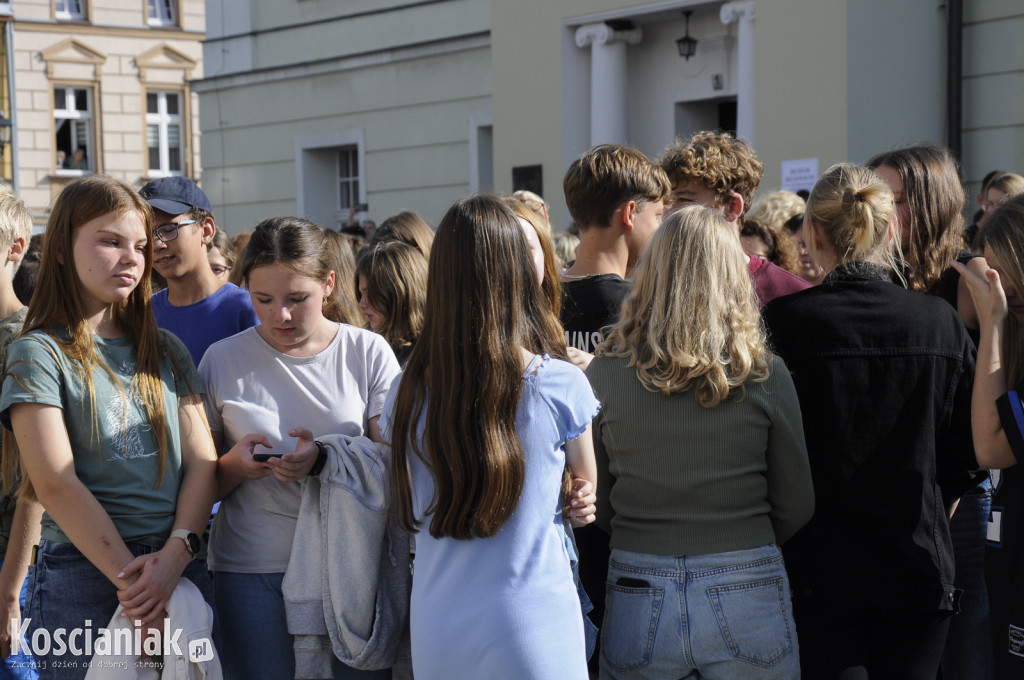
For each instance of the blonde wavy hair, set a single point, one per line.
(776, 209)
(691, 321)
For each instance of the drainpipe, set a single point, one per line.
(954, 77)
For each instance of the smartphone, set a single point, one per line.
(632, 583)
(263, 458)
(362, 207)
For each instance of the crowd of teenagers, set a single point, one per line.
(701, 437)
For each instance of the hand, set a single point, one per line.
(152, 630)
(239, 458)
(10, 613)
(987, 293)
(580, 358)
(291, 467)
(155, 577)
(582, 503)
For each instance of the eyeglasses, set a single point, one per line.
(168, 232)
(219, 269)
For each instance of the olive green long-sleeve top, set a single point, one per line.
(690, 480)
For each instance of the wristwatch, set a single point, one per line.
(191, 538)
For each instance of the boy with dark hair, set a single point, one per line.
(616, 197)
(718, 171)
(196, 306)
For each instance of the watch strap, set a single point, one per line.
(185, 535)
(321, 459)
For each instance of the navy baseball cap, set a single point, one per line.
(175, 195)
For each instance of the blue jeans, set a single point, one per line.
(720, 616)
(20, 666)
(66, 591)
(254, 630)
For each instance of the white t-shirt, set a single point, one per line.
(253, 388)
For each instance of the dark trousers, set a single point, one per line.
(594, 551)
(853, 643)
(968, 654)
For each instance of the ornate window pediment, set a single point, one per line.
(71, 51)
(163, 56)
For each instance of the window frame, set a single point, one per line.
(93, 136)
(174, 7)
(163, 120)
(355, 181)
(316, 173)
(66, 15)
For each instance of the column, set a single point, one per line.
(743, 14)
(608, 80)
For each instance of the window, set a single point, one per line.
(163, 12)
(348, 176)
(72, 112)
(330, 174)
(69, 9)
(164, 133)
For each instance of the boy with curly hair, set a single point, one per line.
(716, 170)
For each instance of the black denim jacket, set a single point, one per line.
(884, 378)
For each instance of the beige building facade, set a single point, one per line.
(308, 108)
(102, 86)
(810, 83)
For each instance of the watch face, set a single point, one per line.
(193, 543)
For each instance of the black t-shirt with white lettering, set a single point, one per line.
(589, 306)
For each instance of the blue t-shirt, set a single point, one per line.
(199, 325)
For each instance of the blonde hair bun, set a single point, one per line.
(852, 208)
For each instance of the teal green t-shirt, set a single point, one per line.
(111, 439)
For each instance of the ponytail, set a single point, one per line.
(852, 208)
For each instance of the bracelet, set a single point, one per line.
(321, 460)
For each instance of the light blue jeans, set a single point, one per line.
(254, 631)
(721, 616)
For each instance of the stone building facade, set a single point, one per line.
(102, 86)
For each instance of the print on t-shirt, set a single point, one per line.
(125, 420)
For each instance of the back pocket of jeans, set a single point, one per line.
(754, 621)
(630, 625)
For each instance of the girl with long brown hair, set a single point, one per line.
(391, 290)
(997, 419)
(481, 426)
(925, 181)
(106, 414)
(343, 306)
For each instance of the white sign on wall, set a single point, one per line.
(799, 174)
